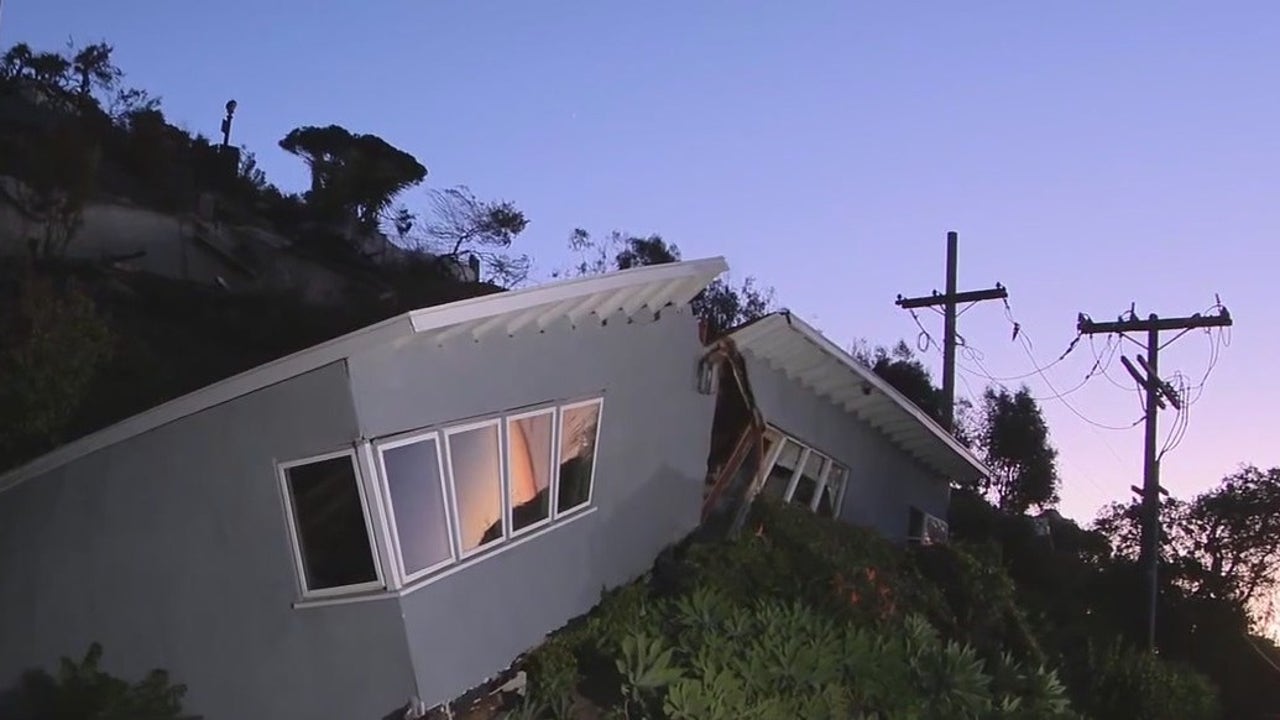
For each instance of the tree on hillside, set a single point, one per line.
(459, 224)
(356, 174)
(54, 344)
(1014, 441)
(721, 306)
(1224, 544)
(57, 168)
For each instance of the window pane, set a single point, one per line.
(477, 480)
(831, 493)
(529, 469)
(413, 477)
(775, 485)
(807, 485)
(577, 454)
(330, 523)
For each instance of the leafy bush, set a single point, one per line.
(80, 690)
(1123, 683)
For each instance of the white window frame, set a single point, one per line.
(836, 501)
(295, 541)
(553, 468)
(379, 448)
(595, 449)
(781, 437)
(449, 432)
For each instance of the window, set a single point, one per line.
(476, 470)
(419, 519)
(815, 465)
(579, 430)
(778, 480)
(329, 525)
(924, 528)
(832, 491)
(529, 458)
(803, 476)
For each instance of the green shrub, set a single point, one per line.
(80, 690)
(1124, 683)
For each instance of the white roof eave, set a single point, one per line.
(651, 287)
(791, 344)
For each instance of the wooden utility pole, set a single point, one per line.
(1158, 392)
(948, 301)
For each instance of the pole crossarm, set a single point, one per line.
(996, 293)
(949, 300)
(1089, 327)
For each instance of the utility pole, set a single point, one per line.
(948, 301)
(1157, 391)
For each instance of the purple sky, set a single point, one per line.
(1089, 155)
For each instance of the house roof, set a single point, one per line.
(805, 355)
(628, 292)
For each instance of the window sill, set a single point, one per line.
(524, 537)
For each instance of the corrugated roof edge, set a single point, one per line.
(869, 376)
(340, 348)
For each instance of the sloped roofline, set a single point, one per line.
(625, 291)
(857, 388)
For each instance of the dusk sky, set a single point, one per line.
(1090, 154)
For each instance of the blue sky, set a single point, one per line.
(1090, 155)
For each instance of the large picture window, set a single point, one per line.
(442, 496)
(530, 453)
(329, 525)
(579, 429)
(419, 517)
(476, 470)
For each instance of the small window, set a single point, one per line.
(807, 484)
(529, 458)
(579, 429)
(331, 534)
(779, 479)
(418, 511)
(829, 501)
(476, 469)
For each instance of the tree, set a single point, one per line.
(720, 305)
(1014, 441)
(1222, 545)
(350, 173)
(92, 67)
(54, 344)
(900, 367)
(57, 167)
(460, 224)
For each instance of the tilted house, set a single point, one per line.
(800, 420)
(394, 514)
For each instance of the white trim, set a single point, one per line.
(370, 476)
(553, 296)
(457, 568)
(796, 473)
(844, 490)
(595, 453)
(551, 470)
(822, 483)
(448, 433)
(404, 575)
(282, 472)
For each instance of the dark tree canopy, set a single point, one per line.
(721, 306)
(460, 224)
(1223, 545)
(357, 173)
(1014, 440)
(900, 367)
